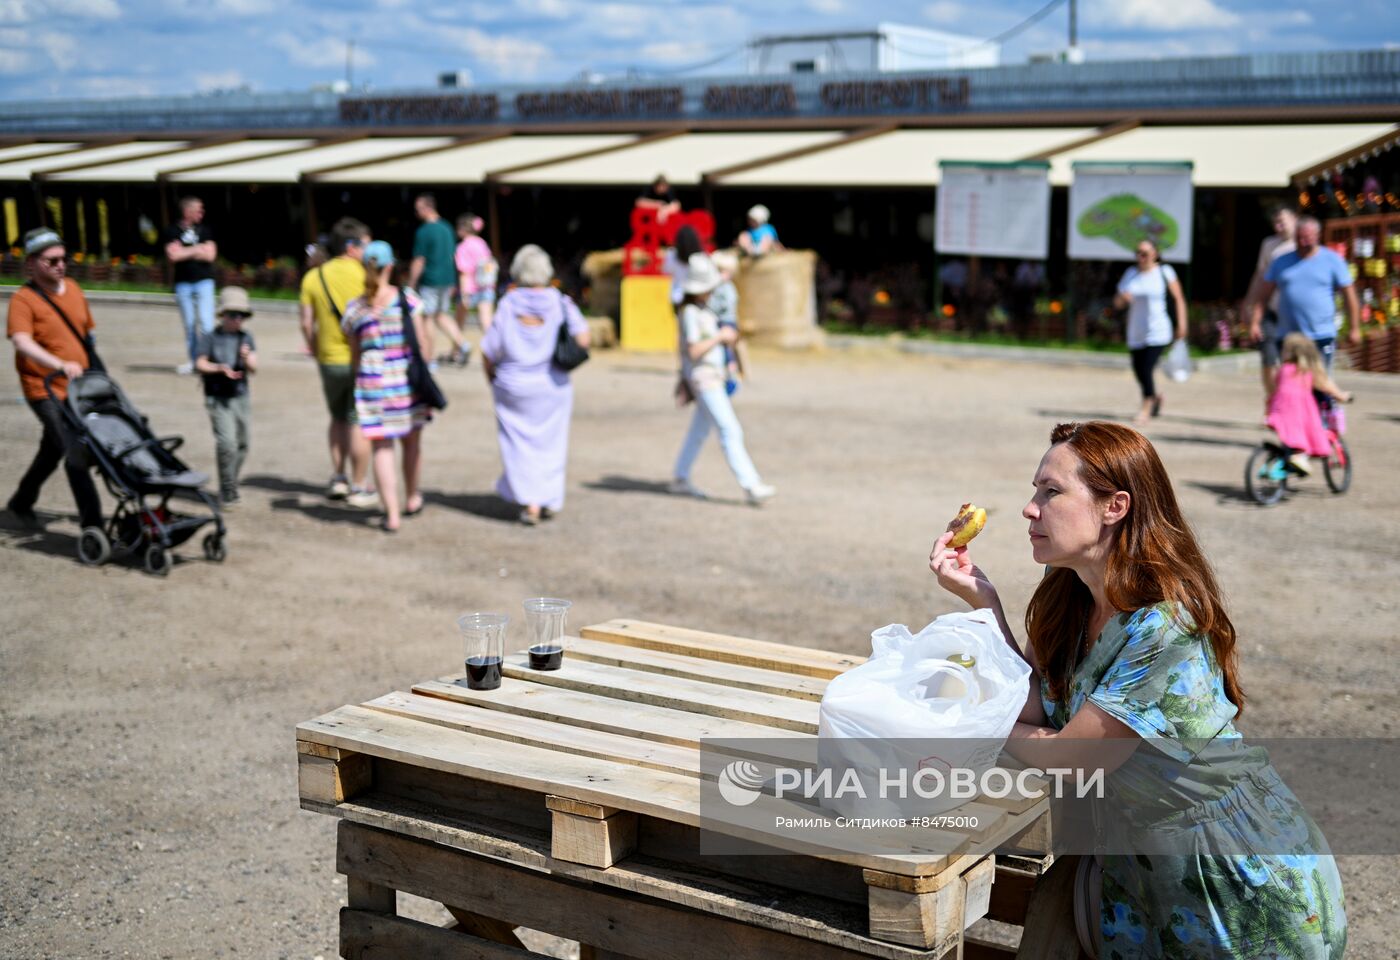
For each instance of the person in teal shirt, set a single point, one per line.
(433, 276)
(1204, 852)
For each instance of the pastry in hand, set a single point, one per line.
(966, 525)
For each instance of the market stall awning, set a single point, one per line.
(684, 158)
(148, 169)
(1260, 157)
(470, 162)
(1388, 140)
(903, 158)
(32, 150)
(287, 167)
(38, 165)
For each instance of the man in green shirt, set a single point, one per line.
(433, 274)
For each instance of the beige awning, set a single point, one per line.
(1261, 157)
(288, 167)
(146, 170)
(28, 150)
(26, 169)
(471, 162)
(904, 158)
(684, 159)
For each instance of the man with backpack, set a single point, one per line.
(325, 292)
(51, 327)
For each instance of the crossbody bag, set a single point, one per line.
(94, 362)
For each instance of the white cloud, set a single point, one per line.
(1166, 17)
(219, 80)
(826, 6)
(14, 11)
(521, 57)
(676, 51)
(95, 9)
(1158, 49)
(13, 61)
(945, 13)
(321, 52)
(245, 8)
(61, 49)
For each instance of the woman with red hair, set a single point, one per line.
(1129, 644)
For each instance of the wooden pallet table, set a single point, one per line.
(568, 802)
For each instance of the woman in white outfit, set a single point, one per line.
(1143, 291)
(702, 343)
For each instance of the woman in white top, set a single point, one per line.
(1143, 291)
(702, 343)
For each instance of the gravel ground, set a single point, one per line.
(148, 806)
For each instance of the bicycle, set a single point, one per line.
(1270, 470)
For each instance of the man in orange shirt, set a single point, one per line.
(48, 323)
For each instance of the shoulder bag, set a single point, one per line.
(94, 362)
(568, 355)
(420, 378)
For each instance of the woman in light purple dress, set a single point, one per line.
(534, 398)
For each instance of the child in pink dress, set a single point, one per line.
(1293, 411)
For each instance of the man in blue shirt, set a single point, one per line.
(1307, 281)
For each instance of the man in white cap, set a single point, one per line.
(760, 237)
(51, 327)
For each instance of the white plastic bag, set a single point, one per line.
(883, 713)
(1177, 363)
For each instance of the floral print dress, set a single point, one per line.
(1194, 785)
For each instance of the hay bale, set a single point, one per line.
(778, 299)
(603, 270)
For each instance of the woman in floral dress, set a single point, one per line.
(1135, 672)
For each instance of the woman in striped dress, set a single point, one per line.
(384, 402)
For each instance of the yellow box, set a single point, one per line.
(648, 319)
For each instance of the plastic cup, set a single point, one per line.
(544, 626)
(484, 644)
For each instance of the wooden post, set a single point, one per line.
(929, 912)
(589, 833)
(493, 220)
(328, 775)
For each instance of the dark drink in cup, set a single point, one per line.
(546, 657)
(483, 673)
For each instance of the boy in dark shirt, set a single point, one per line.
(227, 357)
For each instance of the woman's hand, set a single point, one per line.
(960, 576)
(728, 336)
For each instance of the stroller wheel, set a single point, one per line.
(157, 560)
(94, 549)
(214, 548)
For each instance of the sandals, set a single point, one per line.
(414, 511)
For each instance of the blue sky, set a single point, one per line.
(94, 48)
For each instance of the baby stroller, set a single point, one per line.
(143, 474)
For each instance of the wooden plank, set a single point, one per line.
(547, 734)
(711, 671)
(1049, 930)
(1011, 895)
(579, 808)
(692, 696)
(318, 750)
(485, 928)
(802, 912)
(332, 781)
(1037, 839)
(363, 895)
(726, 649)
(569, 707)
(639, 790)
(593, 914)
(905, 884)
(986, 950)
(934, 920)
(374, 936)
(593, 841)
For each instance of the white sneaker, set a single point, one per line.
(338, 489)
(684, 488)
(761, 492)
(1299, 462)
(185, 369)
(363, 499)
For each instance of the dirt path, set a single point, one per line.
(148, 806)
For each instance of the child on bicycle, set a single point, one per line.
(1294, 413)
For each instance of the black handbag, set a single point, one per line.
(94, 362)
(568, 355)
(420, 378)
